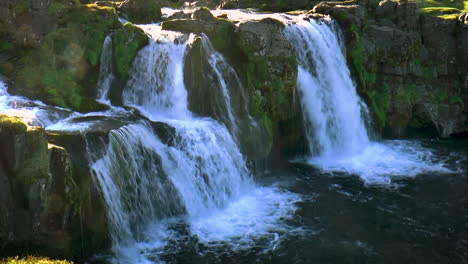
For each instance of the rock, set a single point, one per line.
(43, 197)
(179, 15)
(348, 16)
(73, 51)
(202, 13)
(141, 11)
(271, 76)
(387, 9)
(438, 37)
(220, 31)
(166, 133)
(126, 42)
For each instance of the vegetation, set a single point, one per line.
(58, 70)
(33, 260)
(13, 123)
(448, 9)
(126, 44)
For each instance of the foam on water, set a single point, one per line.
(260, 214)
(380, 163)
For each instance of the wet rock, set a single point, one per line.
(166, 133)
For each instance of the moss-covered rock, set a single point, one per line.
(63, 70)
(48, 204)
(271, 73)
(127, 41)
(141, 11)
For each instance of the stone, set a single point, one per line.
(43, 196)
(141, 11)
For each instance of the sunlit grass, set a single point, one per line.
(448, 9)
(33, 260)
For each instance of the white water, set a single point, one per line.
(200, 170)
(219, 65)
(333, 113)
(156, 82)
(106, 72)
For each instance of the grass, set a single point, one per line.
(33, 260)
(448, 9)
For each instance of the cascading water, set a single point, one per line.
(331, 105)
(333, 112)
(106, 72)
(156, 82)
(198, 173)
(222, 68)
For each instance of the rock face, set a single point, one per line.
(48, 204)
(411, 68)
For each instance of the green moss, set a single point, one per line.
(442, 12)
(447, 9)
(379, 103)
(13, 123)
(126, 44)
(63, 70)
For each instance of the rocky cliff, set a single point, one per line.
(410, 67)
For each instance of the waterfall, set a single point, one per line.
(333, 113)
(332, 108)
(223, 71)
(156, 82)
(135, 186)
(197, 170)
(106, 72)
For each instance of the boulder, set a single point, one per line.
(126, 42)
(220, 31)
(141, 11)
